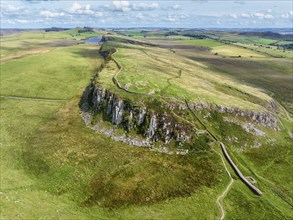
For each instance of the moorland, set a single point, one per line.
(73, 112)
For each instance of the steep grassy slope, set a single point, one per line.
(272, 75)
(163, 72)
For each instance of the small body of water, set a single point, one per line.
(93, 40)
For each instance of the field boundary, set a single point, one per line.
(32, 99)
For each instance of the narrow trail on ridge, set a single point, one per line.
(224, 193)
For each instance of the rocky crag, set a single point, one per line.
(153, 125)
(265, 119)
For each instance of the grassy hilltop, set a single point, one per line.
(53, 166)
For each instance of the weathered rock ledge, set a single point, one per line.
(265, 119)
(153, 125)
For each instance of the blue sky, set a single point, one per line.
(188, 14)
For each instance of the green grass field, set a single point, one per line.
(54, 167)
(234, 51)
(163, 72)
(203, 43)
(47, 75)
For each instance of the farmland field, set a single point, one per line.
(204, 43)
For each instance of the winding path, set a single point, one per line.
(32, 99)
(224, 193)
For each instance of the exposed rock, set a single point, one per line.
(117, 112)
(108, 110)
(183, 137)
(182, 151)
(272, 106)
(87, 117)
(141, 116)
(152, 127)
(167, 130)
(84, 104)
(122, 138)
(127, 86)
(249, 127)
(155, 125)
(208, 115)
(262, 118)
(257, 145)
(129, 123)
(182, 106)
(98, 98)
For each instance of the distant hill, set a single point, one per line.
(56, 29)
(269, 34)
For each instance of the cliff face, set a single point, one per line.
(153, 125)
(265, 119)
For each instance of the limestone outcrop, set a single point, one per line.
(153, 125)
(265, 119)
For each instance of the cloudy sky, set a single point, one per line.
(190, 14)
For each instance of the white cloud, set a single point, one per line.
(262, 15)
(22, 21)
(239, 2)
(257, 14)
(134, 12)
(267, 16)
(98, 14)
(174, 17)
(121, 6)
(37, 1)
(287, 15)
(140, 16)
(11, 10)
(176, 7)
(170, 19)
(253, 15)
(233, 16)
(125, 6)
(77, 8)
(145, 6)
(87, 7)
(50, 14)
(245, 15)
(284, 16)
(28, 21)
